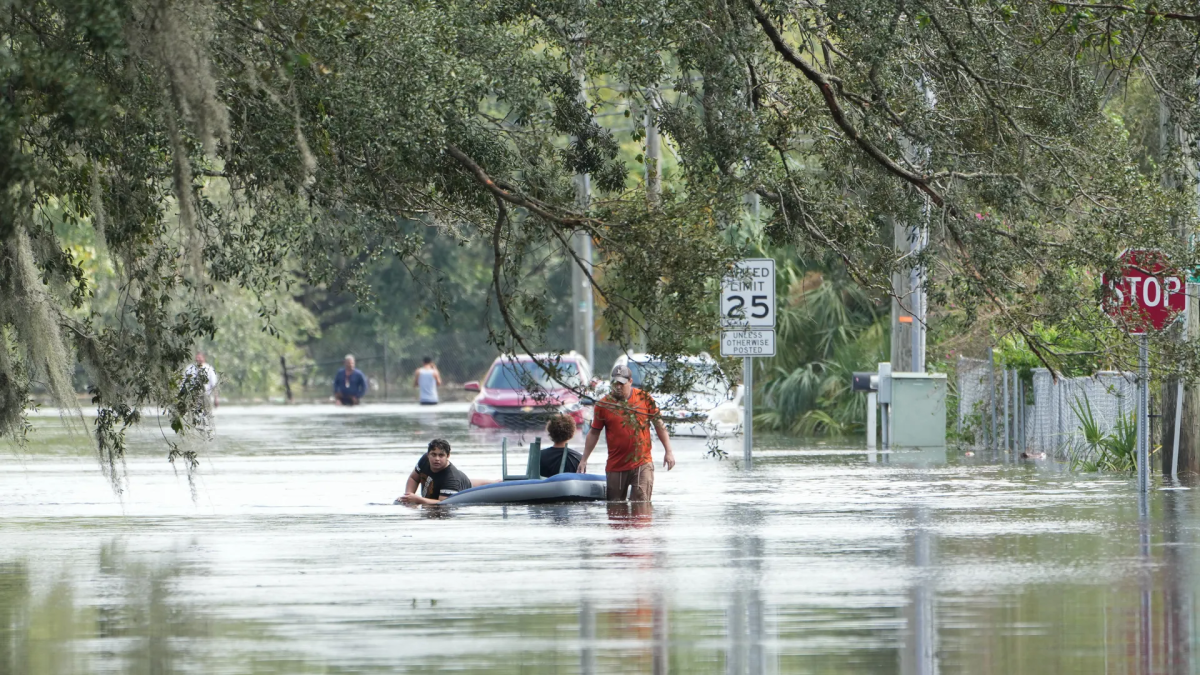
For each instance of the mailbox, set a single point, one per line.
(865, 382)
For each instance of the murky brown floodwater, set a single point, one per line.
(816, 561)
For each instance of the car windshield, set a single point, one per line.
(519, 374)
(705, 377)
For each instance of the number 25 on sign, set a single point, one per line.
(1149, 294)
(748, 295)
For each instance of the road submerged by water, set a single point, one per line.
(820, 559)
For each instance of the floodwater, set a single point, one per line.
(820, 559)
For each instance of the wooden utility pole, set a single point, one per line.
(902, 318)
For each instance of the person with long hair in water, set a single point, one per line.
(427, 379)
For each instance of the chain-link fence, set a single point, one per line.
(1056, 425)
(976, 384)
(999, 409)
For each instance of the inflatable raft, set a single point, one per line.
(565, 487)
(530, 487)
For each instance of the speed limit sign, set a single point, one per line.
(748, 295)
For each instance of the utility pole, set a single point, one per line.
(909, 319)
(583, 301)
(585, 333)
(653, 154)
(916, 285)
(653, 168)
(902, 308)
(1181, 404)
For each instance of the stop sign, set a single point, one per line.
(1149, 294)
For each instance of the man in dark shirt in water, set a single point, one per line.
(434, 472)
(561, 429)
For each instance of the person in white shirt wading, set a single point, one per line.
(210, 380)
(426, 379)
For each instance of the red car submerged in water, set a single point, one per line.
(517, 393)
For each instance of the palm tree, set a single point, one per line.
(829, 327)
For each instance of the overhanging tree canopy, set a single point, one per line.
(220, 142)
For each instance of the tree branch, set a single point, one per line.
(533, 206)
(837, 112)
(540, 208)
(1126, 8)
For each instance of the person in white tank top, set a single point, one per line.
(427, 379)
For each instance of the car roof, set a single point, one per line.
(543, 356)
(642, 357)
(568, 357)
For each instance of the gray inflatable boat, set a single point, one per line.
(530, 487)
(565, 487)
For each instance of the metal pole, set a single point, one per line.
(1019, 422)
(385, 369)
(901, 353)
(1178, 405)
(872, 404)
(1007, 414)
(584, 342)
(653, 153)
(589, 313)
(585, 325)
(885, 427)
(917, 288)
(992, 395)
(1178, 415)
(958, 422)
(748, 408)
(1143, 428)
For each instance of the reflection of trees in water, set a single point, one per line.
(1067, 615)
(746, 623)
(1178, 601)
(920, 654)
(120, 611)
(14, 611)
(135, 623)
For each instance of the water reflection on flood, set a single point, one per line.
(819, 560)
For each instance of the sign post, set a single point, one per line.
(748, 329)
(1149, 295)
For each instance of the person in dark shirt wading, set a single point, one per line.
(349, 385)
(437, 477)
(626, 415)
(561, 429)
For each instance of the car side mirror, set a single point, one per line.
(471, 386)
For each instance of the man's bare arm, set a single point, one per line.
(416, 499)
(665, 437)
(414, 479)
(589, 444)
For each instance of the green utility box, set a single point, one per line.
(918, 414)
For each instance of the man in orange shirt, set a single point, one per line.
(626, 415)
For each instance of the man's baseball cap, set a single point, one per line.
(622, 374)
